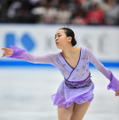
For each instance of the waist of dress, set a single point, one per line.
(79, 84)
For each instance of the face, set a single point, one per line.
(61, 39)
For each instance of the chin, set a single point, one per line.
(59, 47)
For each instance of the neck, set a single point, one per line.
(68, 51)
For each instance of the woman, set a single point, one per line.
(75, 93)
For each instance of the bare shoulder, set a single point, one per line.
(78, 48)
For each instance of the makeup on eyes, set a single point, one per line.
(58, 34)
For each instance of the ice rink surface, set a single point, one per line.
(25, 94)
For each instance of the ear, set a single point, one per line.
(69, 39)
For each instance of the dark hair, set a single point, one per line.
(70, 33)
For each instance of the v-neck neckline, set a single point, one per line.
(68, 63)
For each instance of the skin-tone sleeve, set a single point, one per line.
(19, 53)
(114, 83)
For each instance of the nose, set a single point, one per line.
(56, 38)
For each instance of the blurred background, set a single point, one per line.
(81, 12)
(25, 88)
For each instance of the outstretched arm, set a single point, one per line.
(18, 53)
(114, 83)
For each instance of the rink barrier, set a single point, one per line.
(39, 39)
(27, 64)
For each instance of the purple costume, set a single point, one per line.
(77, 86)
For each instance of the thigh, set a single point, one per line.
(65, 113)
(80, 110)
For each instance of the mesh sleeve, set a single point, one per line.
(23, 55)
(114, 83)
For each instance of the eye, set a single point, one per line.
(59, 35)
(56, 36)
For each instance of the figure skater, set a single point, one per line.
(75, 93)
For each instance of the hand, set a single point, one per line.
(7, 52)
(117, 93)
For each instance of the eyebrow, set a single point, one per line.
(57, 34)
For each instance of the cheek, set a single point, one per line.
(62, 42)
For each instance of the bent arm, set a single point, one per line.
(19, 53)
(114, 83)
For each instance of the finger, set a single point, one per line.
(116, 94)
(3, 55)
(5, 49)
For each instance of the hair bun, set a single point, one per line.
(74, 42)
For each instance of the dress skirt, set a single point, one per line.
(66, 96)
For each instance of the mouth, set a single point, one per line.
(57, 43)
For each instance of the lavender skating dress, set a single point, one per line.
(77, 86)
